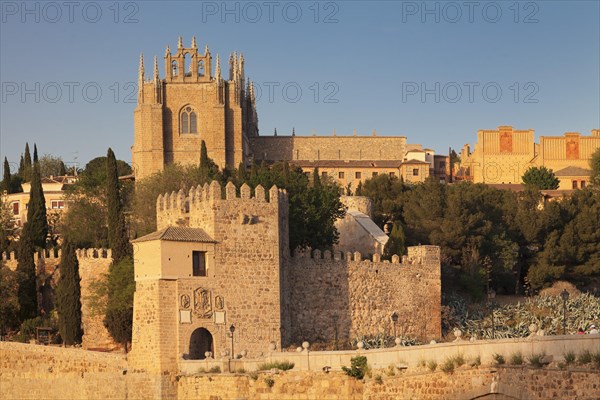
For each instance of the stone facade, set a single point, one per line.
(244, 246)
(249, 281)
(344, 297)
(191, 104)
(503, 155)
(93, 264)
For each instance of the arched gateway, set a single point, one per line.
(201, 341)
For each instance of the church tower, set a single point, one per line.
(191, 104)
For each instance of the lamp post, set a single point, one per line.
(565, 296)
(491, 296)
(231, 330)
(394, 318)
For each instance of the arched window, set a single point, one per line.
(175, 68)
(201, 67)
(189, 123)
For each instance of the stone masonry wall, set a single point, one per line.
(356, 297)
(93, 264)
(278, 148)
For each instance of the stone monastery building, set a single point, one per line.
(193, 102)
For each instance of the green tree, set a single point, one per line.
(26, 276)
(36, 227)
(540, 178)
(118, 318)
(9, 306)
(52, 166)
(6, 177)
(595, 165)
(208, 168)
(27, 164)
(395, 244)
(117, 230)
(386, 193)
(68, 294)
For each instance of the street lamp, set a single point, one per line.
(394, 318)
(491, 296)
(231, 330)
(565, 296)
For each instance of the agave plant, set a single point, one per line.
(512, 321)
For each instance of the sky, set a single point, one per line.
(434, 71)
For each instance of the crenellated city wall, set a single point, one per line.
(93, 264)
(341, 296)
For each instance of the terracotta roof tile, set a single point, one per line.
(178, 234)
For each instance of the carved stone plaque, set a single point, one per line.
(185, 301)
(219, 303)
(202, 303)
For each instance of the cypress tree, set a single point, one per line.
(21, 167)
(118, 319)
(27, 164)
(316, 178)
(204, 165)
(26, 276)
(395, 244)
(241, 173)
(6, 176)
(35, 155)
(117, 231)
(68, 294)
(37, 223)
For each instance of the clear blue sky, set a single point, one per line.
(370, 61)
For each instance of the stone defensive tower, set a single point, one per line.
(190, 104)
(215, 261)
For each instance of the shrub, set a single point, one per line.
(358, 367)
(390, 370)
(432, 365)
(498, 359)
(378, 379)
(476, 362)
(536, 360)
(215, 370)
(448, 366)
(585, 357)
(270, 382)
(596, 359)
(569, 357)
(459, 360)
(241, 371)
(254, 376)
(282, 365)
(516, 359)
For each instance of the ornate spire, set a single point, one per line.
(252, 92)
(180, 43)
(141, 69)
(206, 50)
(218, 68)
(155, 68)
(241, 67)
(231, 64)
(168, 51)
(194, 45)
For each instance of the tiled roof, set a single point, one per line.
(177, 234)
(413, 161)
(573, 171)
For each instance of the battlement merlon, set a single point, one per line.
(176, 208)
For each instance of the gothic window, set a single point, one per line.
(201, 68)
(189, 120)
(175, 68)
